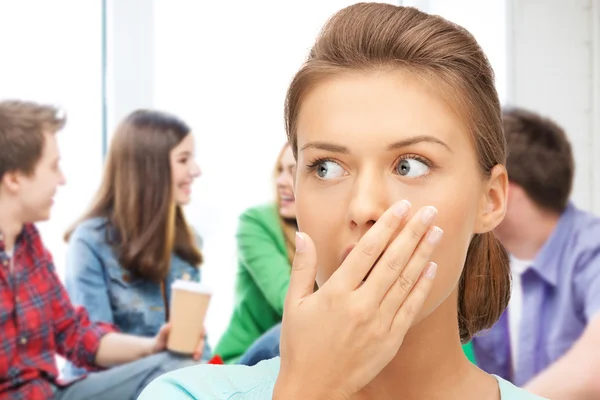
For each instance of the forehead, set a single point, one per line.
(50, 148)
(287, 157)
(377, 108)
(186, 144)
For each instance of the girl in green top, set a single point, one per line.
(265, 240)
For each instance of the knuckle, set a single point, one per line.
(394, 262)
(390, 222)
(410, 311)
(422, 255)
(362, 312)
(414, 231)
(405, 283)
(299, 264)
(369, 249)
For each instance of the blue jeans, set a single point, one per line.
(123, 382)
(264, 348)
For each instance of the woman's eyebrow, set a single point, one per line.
(418, 139)
(335, 148)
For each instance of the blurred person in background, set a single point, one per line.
(134, 242)
(548, 340)
(265, 242)
(37, 319)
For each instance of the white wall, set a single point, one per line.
(49, 55)
(554, 49)
(130, 58)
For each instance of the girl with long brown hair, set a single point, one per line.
(396, 127)
(134, 241)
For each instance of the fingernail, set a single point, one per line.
(401, 208)
(431, 270)
(428, 215)
(434, 235)
(300, 243)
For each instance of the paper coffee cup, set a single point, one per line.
(189, 303)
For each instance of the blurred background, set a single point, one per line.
(224, 67)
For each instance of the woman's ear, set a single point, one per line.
(493, 202)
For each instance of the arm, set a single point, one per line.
(88, 344)
(84, 280)
(119, 348)
(260, 255)
(574, 376)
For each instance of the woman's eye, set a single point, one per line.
(329, 170)
(412, 168)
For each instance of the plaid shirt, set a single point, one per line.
(37, 321)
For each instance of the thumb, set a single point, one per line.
(304, 268)
(164, 331)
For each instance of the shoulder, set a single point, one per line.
(31, 236)
(37, 253)
(91, 230)
(584, 241)
(508, 391)
(264, 216)
(216, 382)
(585, 226)
(262, 212)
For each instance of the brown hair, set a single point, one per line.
(136, 196)
(370, 37)
(289, 229)
(22, 128)
(540, 159)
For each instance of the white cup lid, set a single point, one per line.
(191, 286)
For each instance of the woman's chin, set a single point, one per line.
(182, 200)
(287, 212)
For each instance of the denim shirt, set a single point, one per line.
(96, 280)
(561, 294)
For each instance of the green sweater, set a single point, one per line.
(263, 277)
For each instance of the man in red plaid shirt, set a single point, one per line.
(37, 319)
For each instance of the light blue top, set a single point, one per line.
(236, 382)
(95, 280)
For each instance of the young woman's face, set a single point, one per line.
(183, 170)
(285, 184)
(366, 141)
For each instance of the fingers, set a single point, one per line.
(304, 269)
(394, 260)
(163, 333)
(161, 338)
(419, 261)
(413, 303)
(362, 258)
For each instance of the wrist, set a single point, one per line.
(148, 346)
